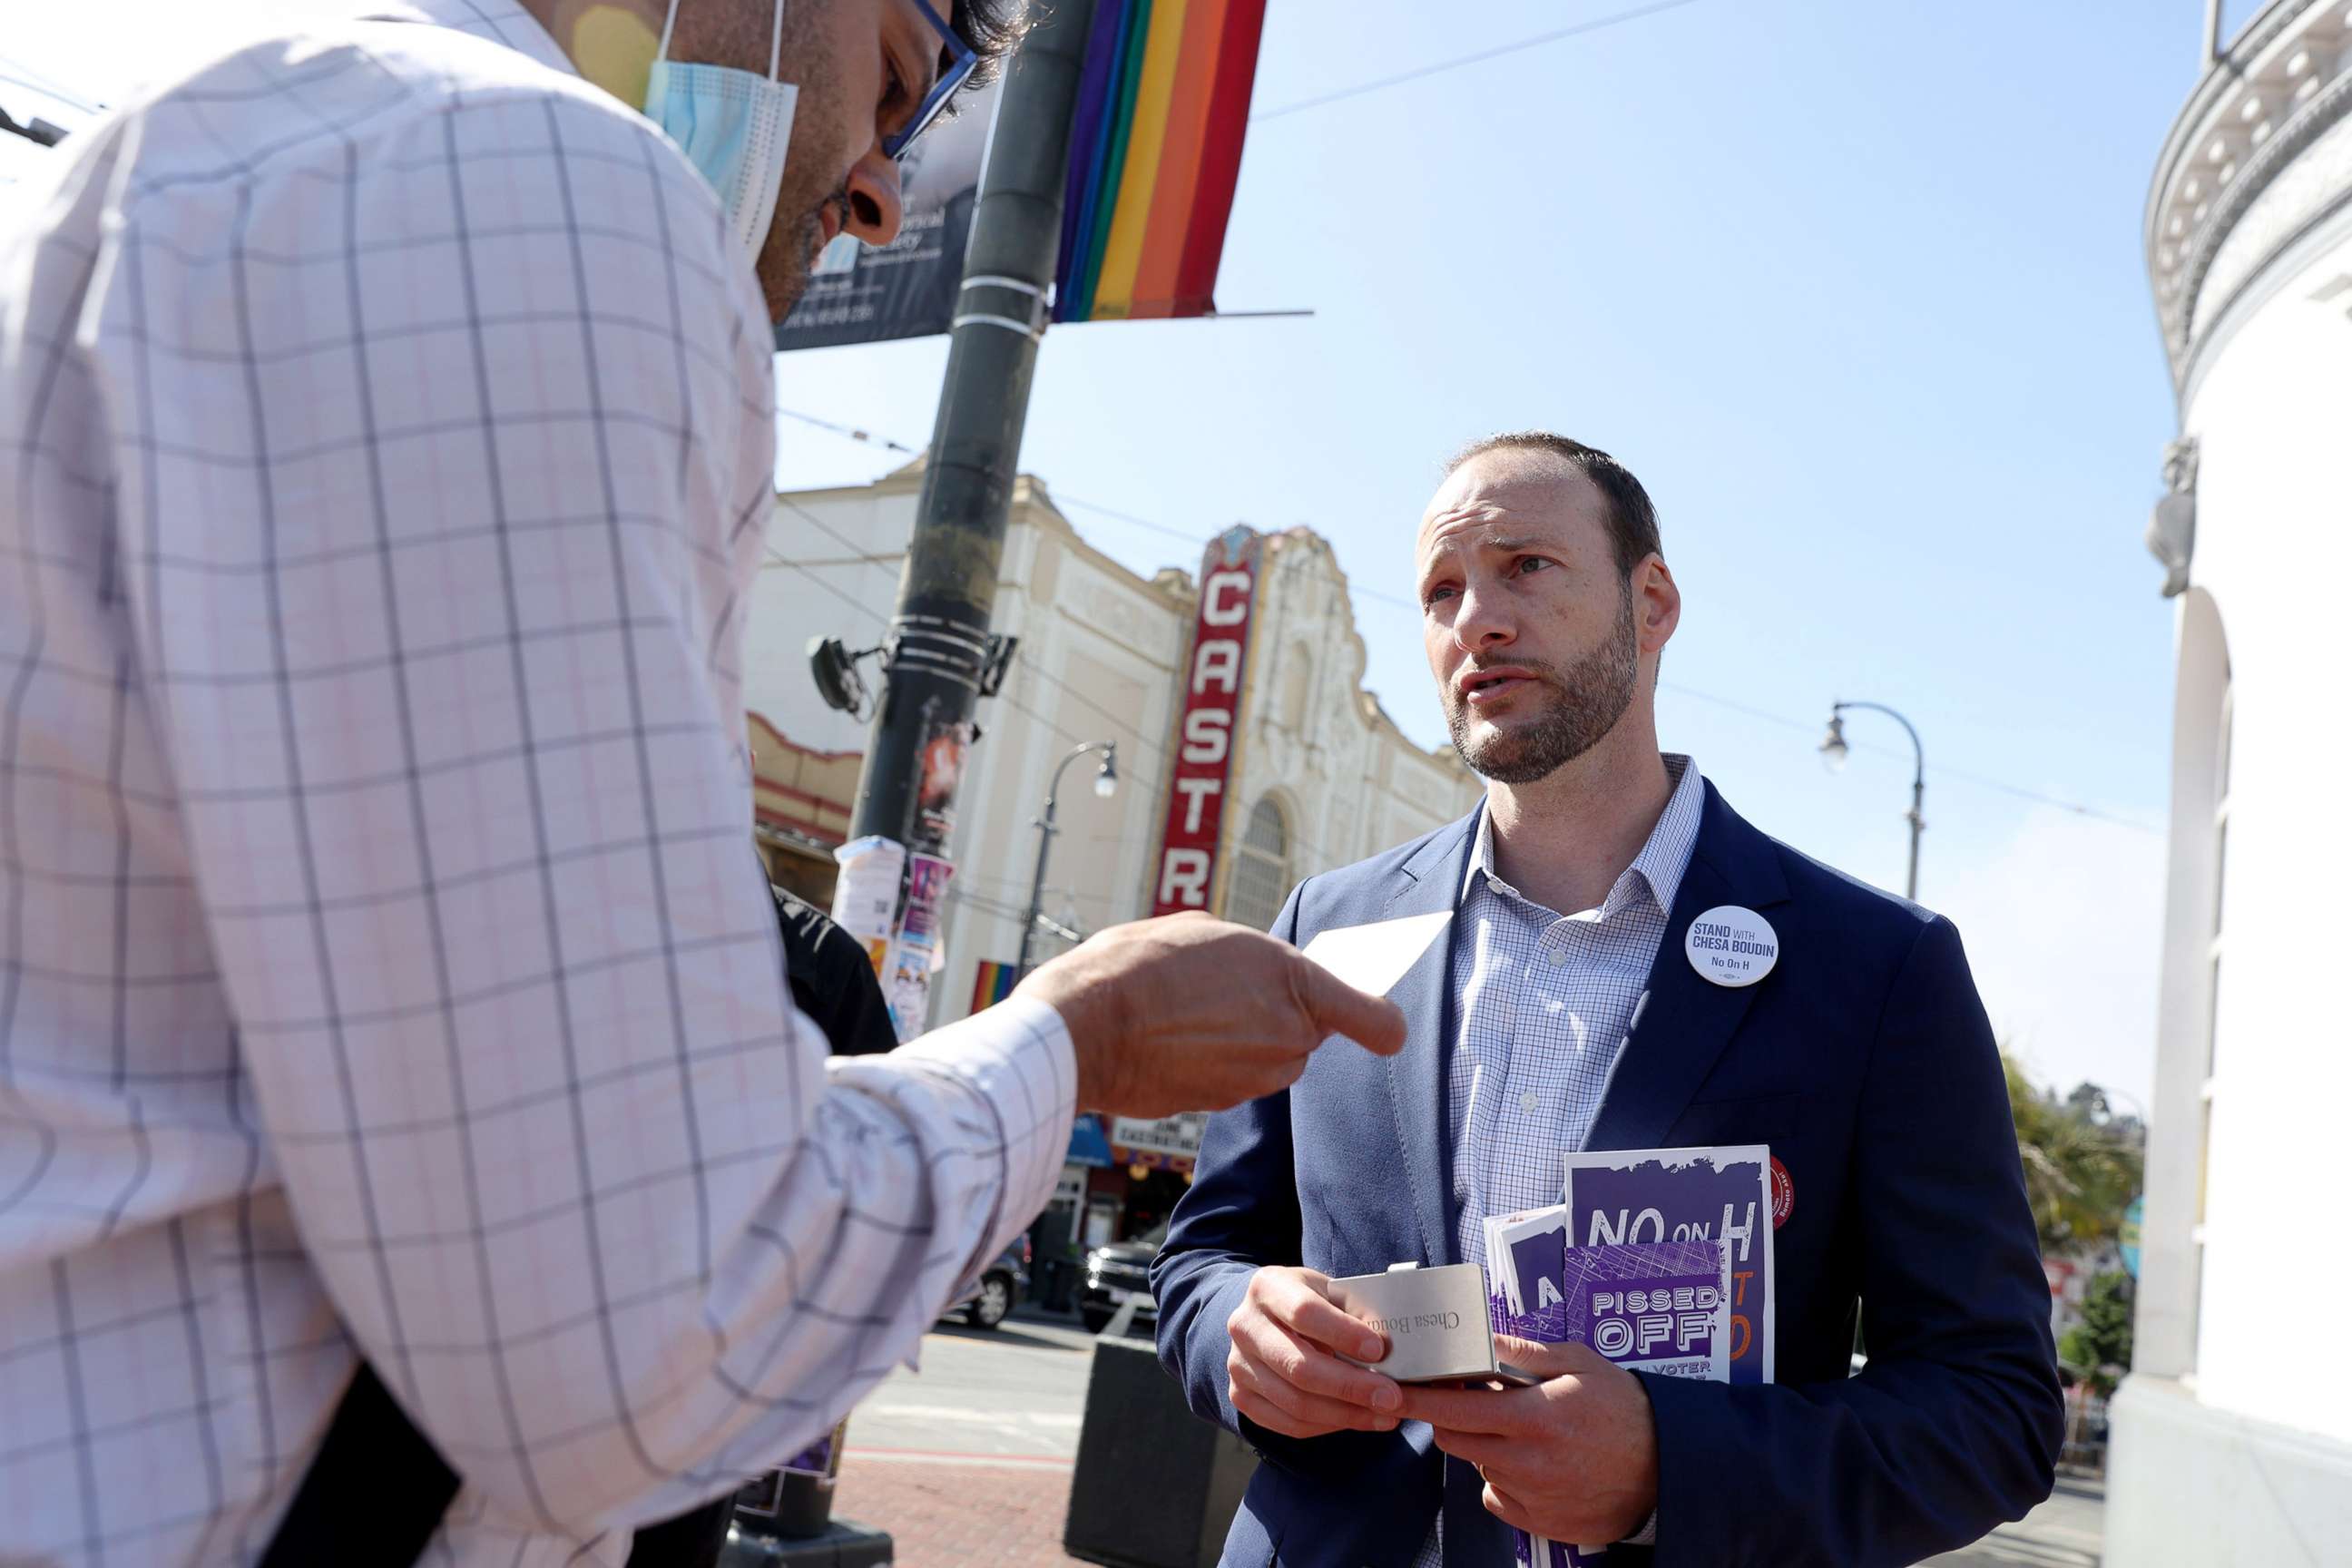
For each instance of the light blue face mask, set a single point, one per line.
(734, 126)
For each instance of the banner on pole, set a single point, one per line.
(907, 288)
(1156, 139)
(1155, 152)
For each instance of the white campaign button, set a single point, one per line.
(1732, 946)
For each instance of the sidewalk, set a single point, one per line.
(958, 1512)
(955, 1511)
(967, 1463)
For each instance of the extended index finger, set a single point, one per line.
(1337, 1007)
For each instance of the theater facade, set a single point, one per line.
(1249, 755)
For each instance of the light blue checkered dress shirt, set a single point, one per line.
(1543, 1004)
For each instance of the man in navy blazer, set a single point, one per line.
(1863, 1058)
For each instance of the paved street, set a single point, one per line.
(1016, 1392)
(967, 1463)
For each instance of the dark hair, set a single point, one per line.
(990, 29)
(1633, 520)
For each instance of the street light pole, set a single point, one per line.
(941, 658)
(1106, 782)
(1833, 749)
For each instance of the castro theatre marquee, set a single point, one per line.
(1194, 831)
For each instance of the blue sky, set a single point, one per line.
(1856, 288)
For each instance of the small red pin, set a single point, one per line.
(1784, 1193)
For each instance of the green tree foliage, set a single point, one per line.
(2081, 1163)
(2100, 1344)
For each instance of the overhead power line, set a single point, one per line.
(851, 431)
(1938, 770)
(1941, 770)
(1438, 68)
(1374, 595)
(40, 81)
(781, 559)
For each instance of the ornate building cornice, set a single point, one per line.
(2260, 154)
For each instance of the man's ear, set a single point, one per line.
(1658, 604)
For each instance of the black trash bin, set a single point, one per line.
(1155, 1486)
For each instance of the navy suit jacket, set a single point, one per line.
(1864, 1059)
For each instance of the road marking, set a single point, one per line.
(972, 1417)
(855, 1452)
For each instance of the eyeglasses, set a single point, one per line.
(960, 62)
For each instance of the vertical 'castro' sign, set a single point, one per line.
(1205, 730)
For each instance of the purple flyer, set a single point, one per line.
(1523, 1297)
(1723, 1194)
(1661, 1306)
(1523, 1259)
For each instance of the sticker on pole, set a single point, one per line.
(1732, 946)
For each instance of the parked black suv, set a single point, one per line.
(1116, 1273)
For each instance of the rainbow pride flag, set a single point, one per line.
(991, 983)
(1155, 150)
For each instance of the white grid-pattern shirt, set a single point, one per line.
(386, 440)
(1542, 1005)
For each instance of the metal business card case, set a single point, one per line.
(1434, 1320)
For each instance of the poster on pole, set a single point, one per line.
(946, 742)
(866, 895)
(917, 954)
(907, 289)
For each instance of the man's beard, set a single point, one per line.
(787, 258)
(789, 253)
(1584, 703)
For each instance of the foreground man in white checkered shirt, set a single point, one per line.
(386, 436)
(1561, 1012)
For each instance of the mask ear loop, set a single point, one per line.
(775, 37)
(661, 51)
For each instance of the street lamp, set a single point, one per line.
(1105, 785)
(1833, 752)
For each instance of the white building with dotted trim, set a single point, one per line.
(2232, 1442)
